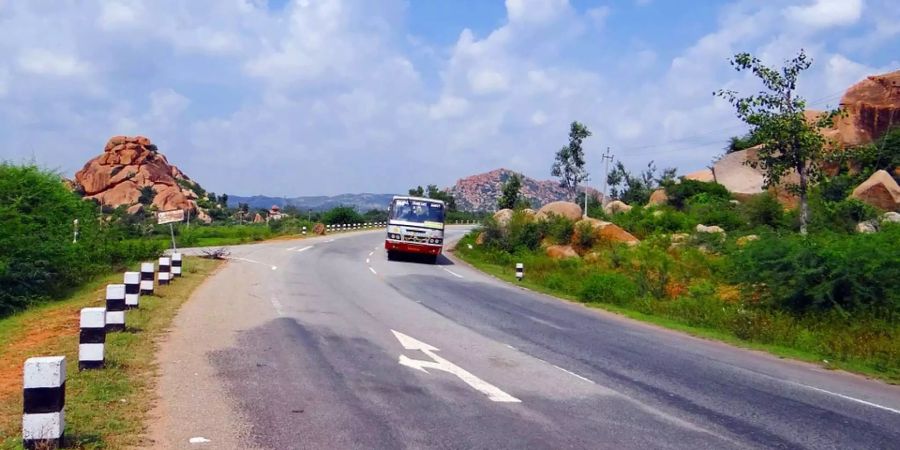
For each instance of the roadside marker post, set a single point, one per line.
(304, 230)
(91, 338)
(115, 307)
(132, 289)
(147, 271)
(164, 271)
(177, 259)
(520, 271)
(43, 421)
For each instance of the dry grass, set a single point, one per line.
(104, 408)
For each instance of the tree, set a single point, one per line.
(342, 215)
(789, 142)
(510, 197)
(636, 189)
(223, 200)
(417, 192)
(569, 162)
(432, 191)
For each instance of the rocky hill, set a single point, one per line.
(127, 165)
(481, 192)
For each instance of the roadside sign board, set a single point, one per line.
(175, 215)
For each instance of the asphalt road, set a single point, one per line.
(323, 343)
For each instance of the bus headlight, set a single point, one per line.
(394, 236)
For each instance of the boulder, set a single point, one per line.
(709, 229)
(891, 216)
(258, 218)
(679, 238)
(744, 240)
(503, 216)
(615, 207)
(561, 252)
(658, 197)
(872, 107)
(529, 212)
(705, 175)
(869, 226)
(880, 191)
(203, 216)
(479, 240)
(568, 210)
(319, 229)
(129, 164)
(135, 209)
(613, 233)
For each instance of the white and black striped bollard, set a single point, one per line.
(115, 307)
(44, 421)
(132, 289)
(147, 274)
(164, 271)
(520, 271)
(92, 338)
(177, 259)
(304, 230)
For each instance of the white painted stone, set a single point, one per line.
(90, 352)
(115, 291)
(93, 318)
(115, 317)
(43, 426)
(132, 277)
(45, 371)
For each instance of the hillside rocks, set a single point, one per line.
(127, 164)
(568, 210)
(872, 107)
(503, 216)
(709, 229)
(561, 252)
(616, 206)
(480, 192)
(658, 197)
(605, 231)
(879, 190)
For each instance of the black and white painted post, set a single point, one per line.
(177, 260)
(164, 271)
(115, 307)
(147, 274)
(92, 338)
(132, 289)
(520, 271)
(304, 230)
(43, 421)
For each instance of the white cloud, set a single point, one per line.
(39, 61)
(826, 13)
(448, 107)
(487, 81)
(599, 15)
(531, 12)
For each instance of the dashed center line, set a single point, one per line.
(574, 374)
(367, 260)
(452, 272)
(373, 271)
(291, 249)
(305, 248)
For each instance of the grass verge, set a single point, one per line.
(104, 408)
(830, 361)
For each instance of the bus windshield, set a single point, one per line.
(417, 211)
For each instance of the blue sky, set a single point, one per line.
(306, 97)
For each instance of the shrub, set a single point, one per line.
(764, 210)
(714, 211)
(644, 222)
(828, 271)
(609, 287)
(840, 216)
(557, 228)
(523, 233)
(585, 237)
(680, 193)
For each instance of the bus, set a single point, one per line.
(415, 226)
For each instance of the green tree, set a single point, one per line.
(432, 191)
(636, 189)
(569, 162)
(510, 197)
(775, 115)
(417, 191)
(342, 215)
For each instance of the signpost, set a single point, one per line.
(170, 217)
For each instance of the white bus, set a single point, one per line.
(415, 225)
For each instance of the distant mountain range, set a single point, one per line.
(361, 202)
(474, 193)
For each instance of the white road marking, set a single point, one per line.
(371, 253)
(847, 397)
(367, 260)
(373, 271)
(292, 248)
(494, 393)
(452, 272)
(274, 267)
(511, 347)
(305, 248)
(253, 261)
(198, 440)
(277, 305)
(330, 240)
(574, 374)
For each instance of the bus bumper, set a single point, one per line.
(405, 247)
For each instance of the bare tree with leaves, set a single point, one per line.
(569, 162)
(789, 142)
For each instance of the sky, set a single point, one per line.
(321, 97)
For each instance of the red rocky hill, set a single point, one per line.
(481, 192)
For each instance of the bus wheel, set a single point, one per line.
(432, 259)
(391, 255)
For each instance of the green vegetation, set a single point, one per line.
(636, 189)
(105, 408)
(569, 162)
(510, 195)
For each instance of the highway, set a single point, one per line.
(323, 343)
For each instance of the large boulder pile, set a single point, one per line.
(568, 210)
(127, 164)
(879, 190)
(872, 107)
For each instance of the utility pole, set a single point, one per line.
(607, 158)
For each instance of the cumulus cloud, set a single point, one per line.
(43, 62)
(826, 13)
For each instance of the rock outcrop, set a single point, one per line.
(872, 107)
(561, 252)
(616, 206)
(658, 197)
(568, 210)
(503, 216)
(880, 191)
(127, 165)
(709, 229)
(481, 192)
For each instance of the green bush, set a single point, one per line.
(827, 271)
(714, 211)
(608, 287)
(557, 228)
(643, 222)
(586, 236)
(679, 194)
(763, 210)
(839, 216)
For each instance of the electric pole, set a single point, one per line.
(607, 158)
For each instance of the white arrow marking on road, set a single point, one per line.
(493, 392)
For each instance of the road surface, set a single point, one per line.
(323, 343)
